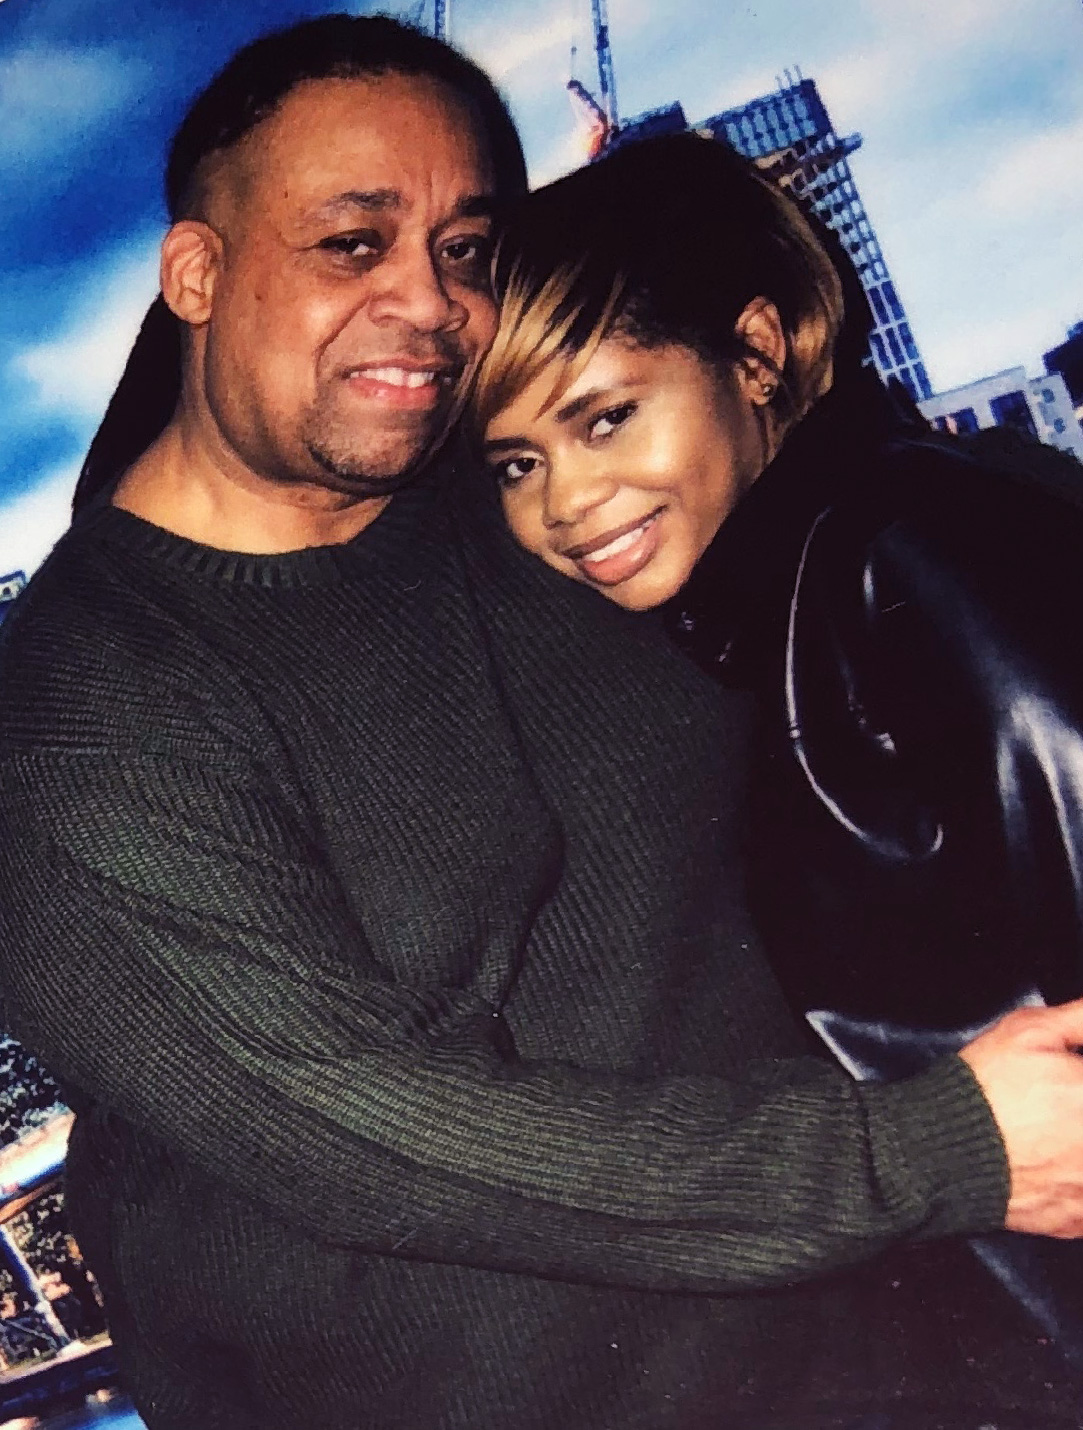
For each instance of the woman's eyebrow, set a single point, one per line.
(570, 410)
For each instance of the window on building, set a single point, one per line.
(1048, 395)
(879, 352)
(908, 341)
(924, 385)
(1058, 424)
(1013, 410)
(896, 349)
(965, 420)
(893, 300)
(878, 307)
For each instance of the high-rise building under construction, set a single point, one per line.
(790, 134)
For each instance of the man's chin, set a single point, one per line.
(381, 468)
(372, 476)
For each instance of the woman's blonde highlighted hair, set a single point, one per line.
(665, 241)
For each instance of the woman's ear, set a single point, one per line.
(759, 329)
(191, 255)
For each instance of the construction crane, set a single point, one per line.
(607, 84)
(596, 114)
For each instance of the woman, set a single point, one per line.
(679, 411)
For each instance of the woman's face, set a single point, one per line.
(624, 481)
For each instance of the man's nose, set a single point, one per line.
(409, 289)
(574, 487)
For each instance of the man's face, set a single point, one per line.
(353, 286)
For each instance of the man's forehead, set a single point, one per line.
(382, 131)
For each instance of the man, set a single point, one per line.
(378, 898)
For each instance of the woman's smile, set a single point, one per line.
(618, 555)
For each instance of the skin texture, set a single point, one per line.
(343, 244)
(1030, 1070)
(648, 447)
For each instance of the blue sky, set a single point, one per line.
(971, 113)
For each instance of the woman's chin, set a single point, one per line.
(647, 589)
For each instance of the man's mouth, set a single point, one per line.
(617, 555)
(399, 385)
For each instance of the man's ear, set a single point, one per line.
(191, 257)
(759, 328)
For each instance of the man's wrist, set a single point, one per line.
(939, 1151)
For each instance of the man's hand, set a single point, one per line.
(1033, 1078)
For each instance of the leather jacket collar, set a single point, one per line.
(737, 592)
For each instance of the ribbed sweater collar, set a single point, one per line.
(382, 542)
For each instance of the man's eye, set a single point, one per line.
(471, 250)
(608, 421)
(513, 469)
(361, 244)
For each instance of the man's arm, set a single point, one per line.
(173, 948)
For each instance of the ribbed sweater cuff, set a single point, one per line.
(940, 1128)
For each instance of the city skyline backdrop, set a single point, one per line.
(971, 113)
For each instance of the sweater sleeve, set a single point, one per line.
(174, 948)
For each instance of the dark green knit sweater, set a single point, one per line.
(379, 907)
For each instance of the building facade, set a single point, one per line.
(1067, 360)
(1040, 406)
(790, 134)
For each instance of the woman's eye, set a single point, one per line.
(353, 245)
(514, 469)
(608, 421)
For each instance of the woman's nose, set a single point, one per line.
(573, 488)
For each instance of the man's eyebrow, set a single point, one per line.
(381, 200)
(474, 206)
(363, 199)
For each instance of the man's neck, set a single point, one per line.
(228, 507)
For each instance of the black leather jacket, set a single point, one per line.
(910, 620)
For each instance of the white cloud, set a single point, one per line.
(516, 55)
(860, 81)
(738, 90)
(1036, 176)
(31, 524)
(76, 371)
(567, 153)
(51, 97)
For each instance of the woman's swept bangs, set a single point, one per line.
(559, 318)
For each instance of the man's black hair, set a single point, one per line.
(248, 90)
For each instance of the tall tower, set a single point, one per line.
(790, 134)
(440, 19)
